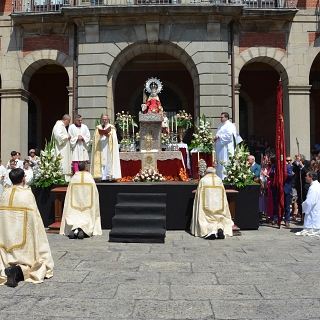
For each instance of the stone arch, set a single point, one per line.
(138, 48)
(37, 59)
(270, 56)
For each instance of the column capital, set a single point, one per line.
(237, 88)
(298, 89)
(10, 93)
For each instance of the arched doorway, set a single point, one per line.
(259, 81)
(314, 81)
(48, 85)
(178, 88)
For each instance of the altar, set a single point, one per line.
(169, 163)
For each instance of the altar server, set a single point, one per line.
(81, 211)
(311, 207)
(79, 142)
(24, 249)
(62, 144)
(105, 152)
(211, 217)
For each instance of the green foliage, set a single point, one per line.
(237, 169)
(184, 119)
(202, 138)
(49, 171)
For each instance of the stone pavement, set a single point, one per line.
(263, 274)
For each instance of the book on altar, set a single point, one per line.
(104, 131)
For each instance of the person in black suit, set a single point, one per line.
(301, 167)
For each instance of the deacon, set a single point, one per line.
(24, 248)
(106, 160)
(79, 142)
(211, 217)
(311, 207)
(81, 211)
(62, 144)
(224, 142)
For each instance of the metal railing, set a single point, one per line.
(57, 5)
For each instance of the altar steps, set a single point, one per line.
(140, 218)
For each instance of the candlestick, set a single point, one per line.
(132, 127)
(213, 156)
(198, 157)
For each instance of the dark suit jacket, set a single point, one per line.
(287, 185)
(255, 169)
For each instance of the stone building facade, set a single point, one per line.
(93, 58)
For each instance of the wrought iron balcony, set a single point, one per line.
(58, 5)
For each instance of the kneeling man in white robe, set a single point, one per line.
(81, 211)
(311, 207)
(24, 248)
(211, 217)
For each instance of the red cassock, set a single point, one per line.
(152, 104)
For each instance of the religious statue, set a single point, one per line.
(153, 104)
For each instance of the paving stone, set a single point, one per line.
(266, 309)
(190, 278)
(203, 292)
(68, 276)
(119, 277)
(69, 307)
(165, 266)
(75, 290)
(172, 309)
(127, 257)
(143, 291)
(15, 304)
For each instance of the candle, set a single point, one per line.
(176, 124)
(172, 124)
(132, 127)
(127, 126)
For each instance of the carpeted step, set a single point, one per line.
(139, 221)
(137, 235)
(141, 208)
(141, 198)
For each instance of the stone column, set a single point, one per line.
(14, 122)
(70, 95)
(296, 110)
(236, 106)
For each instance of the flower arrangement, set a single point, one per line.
(237, 169)
(49, 171)
(148, 176)
(165, 139)
(184, 119)
(124, 121)
(203, 140)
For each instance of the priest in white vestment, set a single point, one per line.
(105, 162)
(211, 217)
(79, 142)
(224, 142)
(24, 248)
(81, 211)
(311, 207)
(62, 144)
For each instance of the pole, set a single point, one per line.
(300, 179)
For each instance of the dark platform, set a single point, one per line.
(179, 200)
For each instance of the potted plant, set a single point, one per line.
(238, 177)
(46, 176)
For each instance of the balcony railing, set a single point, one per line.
(57, 5)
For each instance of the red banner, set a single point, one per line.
(281, 169)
